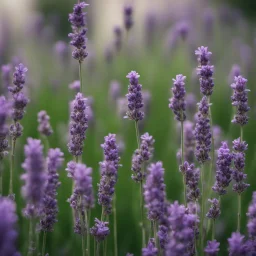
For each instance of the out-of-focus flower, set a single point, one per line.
(44, 125)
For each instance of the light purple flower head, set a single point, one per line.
(128, 17)
(214, 211)
(6, 75)
(212, 248)
(134, 97)
(75, 86)
(177, 102)
(8, 220)
(189, 141)
(237, 245)
(100, 230)
(44, 125)
(203, 55)
(35, 177)
(151, 249)
(251, 214)
(240, 100)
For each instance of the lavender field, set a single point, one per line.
(129, 139)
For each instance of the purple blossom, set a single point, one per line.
(100, 230)
(71, 166)
(78, 125)
(240, 146)
(8, 221)
(182, 29)
(134, 97)
(240, 100)
(44, 125)
(109, 168)
(151, 249)
(237, 245)
(141, 156)
(77, 18)
(154, 191)
(75, 86)
(189, 141)
(35, 177)
(235, 71)
(15, 130)
(50, 206)
(6, 75)
(212, 248)
(177, 102)
(251, 214)
(20, 101)
(128, 17)
(163, 235)
(203, 55)
(224, 171)
(118, 32)
(203, 132)
(214, 211)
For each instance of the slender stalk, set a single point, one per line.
(137, 133)
(241, 133)
(115, 226)
(155, 232)
(97, 249)
(202, 210)
(213, 229)
(88, 232)
(195, 230)
(12, 166)
(142, 213)
(94, 247)
(102, 214)
(239, 213)
(44, 243)
(182, 162)
(80, 77)
(82, 228)
(31, 248)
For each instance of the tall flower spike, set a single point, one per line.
(224, 171)
(237, 245)
(35, 178)
(240, 100)
(177, 102)
(151, 249)
(203, 132)
(212, 248)
(141, 156)
(128, 19)
(78, 125)
(154, 191)
(44, 125)
(50, 205)
(8, 220)
(100, 230)
(251, 214)
(134, 97)
(109, 168)
(214, 211)
(205, 70)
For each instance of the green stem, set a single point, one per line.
(82, 227)
(80, 77)
(97, 249)
(182, 161)
(31, 241)
(155, 232)
(88, 232)
(142, 213)
(115, 225)
(102, 214)
(202, 210)
(239, 213)
(94, 247)
(137, 134)
(44, 243)
(12, 166)
(241, 133)
(213, 229)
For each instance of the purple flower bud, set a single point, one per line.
(212, 248)
(203, 55)
(151, 249)
(240, 146)
(189, 141)
(177, 102)
(240, 100)
(237, 246)
(15, 130)
(251, 214)
(71, 166)
(100, 230)
(75, 86)
(77, 18)
(8, 220)
(154, 191)
(44, 125)
(163, 235)
(134, 97)
(35, 177)
(214, 211)
(118, 38)
(50, 205)
(128, 17)
(182, 29)
(20, 101)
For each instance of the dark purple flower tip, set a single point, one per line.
(100, 230)
(133, 77)
(15, 130)
(128, 19)
(214, 211)
(237, 246)
(44, 125)
(212, 248)
(151, 249)
(203, 55)
(240, 146)
(77, 18)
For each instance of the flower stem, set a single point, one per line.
(213, 229)
(202, 210)
(115, 226)
(80, 77)
(97, 249)
(182, 162)
(31, 241)
(239, 213)
(137, 134)
(82, 227)
(12, 166)
(44, 243)
(142, 213)
(88, 232)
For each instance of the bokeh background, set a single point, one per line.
(158, 49)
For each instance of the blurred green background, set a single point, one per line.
(152, 53)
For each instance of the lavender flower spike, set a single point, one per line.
(134, 97)
(212, 248)
(237, 245)
(214, 211)
(224, 172)
(128, 19)
(203, 132)
(151, 249)
(44, 125)
(251, 214)
(240, 100)
(177, 103)
(35, 177)
(8, 220)
(154, 191)
(100, 230)
(78, 125)
(50, 206)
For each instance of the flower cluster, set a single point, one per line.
(78, 37)
(109, 168)
(237, 245)
(151, 249)
(154, 191)
(50, 206)
(134, 97)
(141, 156)
(212, 248)
(177, 103)
(251, 214)
(214, 211)
(100, 230)
(224, 171)
(128, 20)
(189, 141)
(203, 132)
(44, 125)
(240, 100)
(35, 178)
(78, 125)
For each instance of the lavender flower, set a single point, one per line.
(240, 100)
(240, 146)
(114, 91)
(78, 125)
(141, 156)
(71, 166)
(35, 177)
(182, 29)
(154, 191)
(212, 248)
(151, 249)
(205, 71)
(128, 19)
(8, 220)
(251, 214)
(50, 206)
(6, 75)
(134, 97)
(235, 71)
(237, 245)
(100, 230)
(214, 211)
(44, 125)
(177, 103)
(75, 86)
(189, 141)
(203, 132)
(224, 172)
(163, 235)
(118, 38)
(109, 168)
(4, 112)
